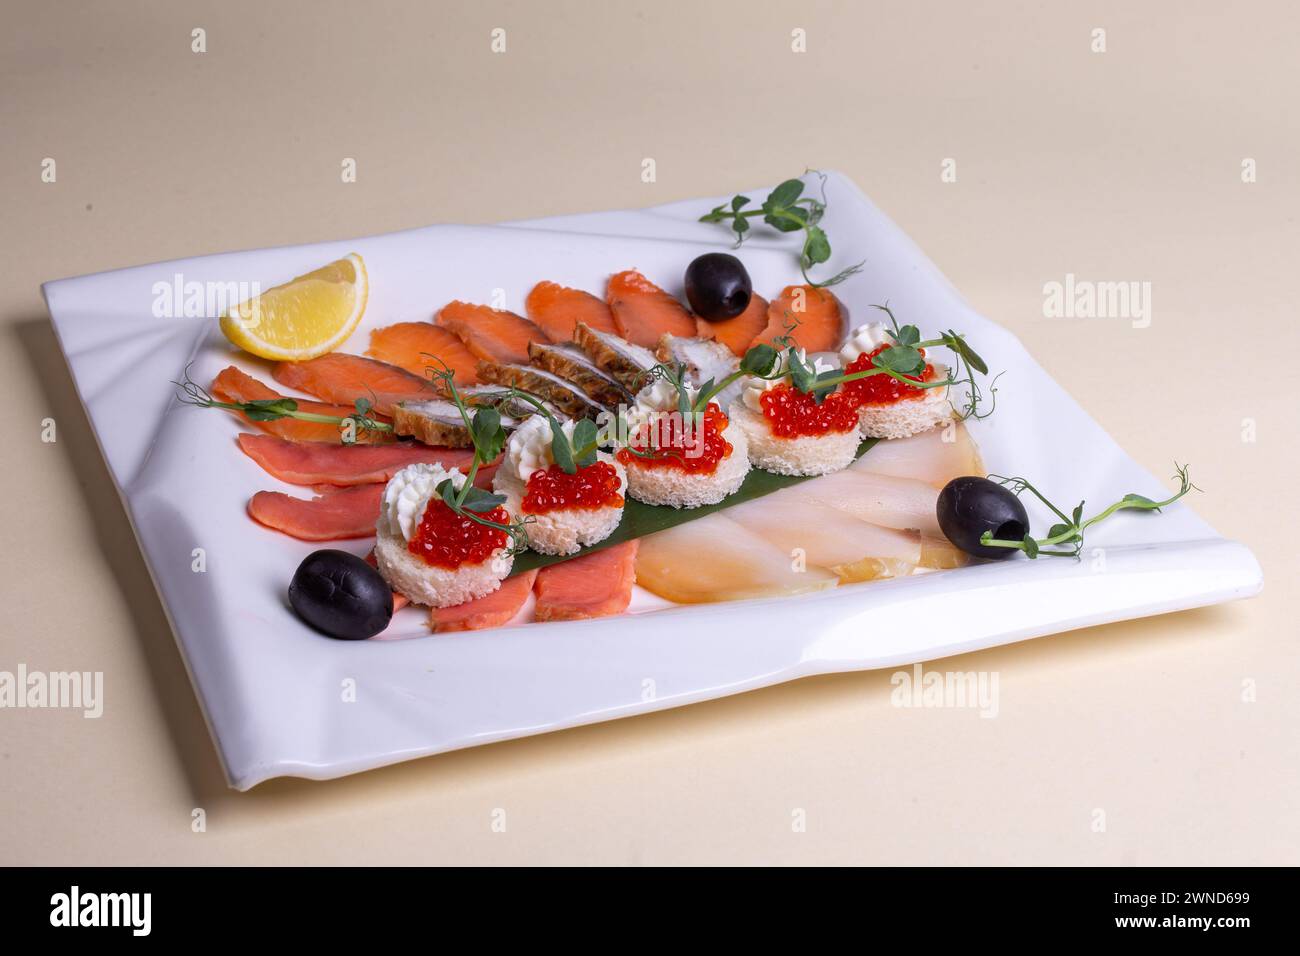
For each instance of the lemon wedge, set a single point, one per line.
(306, 317)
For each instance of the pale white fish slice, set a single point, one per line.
(704, 359)
(715, 559)
(925, 457)
(850, 548)
(939, 554)
(900, 503)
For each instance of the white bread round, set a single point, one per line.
(680, 489)
(431, 586)
(566, 530)
(909, 416)
(804, 455)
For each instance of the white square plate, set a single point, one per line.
(272, 689)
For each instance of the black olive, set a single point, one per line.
(341, 595)
(969, 506)
(718, 287)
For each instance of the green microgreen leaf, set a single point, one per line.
(902, 359)
(447, 492)
(784, 194)
(831, 376)
(585, 434)
(561, 450)
(801, 374)
(1138, 501)
(1070, 531)
(480, 500)
(269, 409)
(908, 335)
(958, 345)
(817, 248)
(787, 209)
(759, 360)
(683, 399)
(787, 220)
(488, 435)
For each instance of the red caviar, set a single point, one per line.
(680, 447)
(882, 389)
(793, 414)
(554, 489)
(448, 540)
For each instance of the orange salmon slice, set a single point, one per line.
(737, 333)
(491, 610)
(232, 385)
(419, 346)
(493, 335)
(557, 310)
(595, 585)
(333, 516)
(342, 379)
(821, 321)
(316, 463)
(645, 313)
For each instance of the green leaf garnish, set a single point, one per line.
(585, 436)
(481, 501)
(818, 248)
(486, 432)
(269, 409)
(787, 209)
(759, 360)
(908, 335)
(273, 409)
(801, 373)
(1066, 537)
(784, 194)
(561, 450)
(958, 344)
(903, 359)
(446, 490)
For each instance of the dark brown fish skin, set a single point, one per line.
(410, 422)
(626, 372)
(596, 382)
(564, 395)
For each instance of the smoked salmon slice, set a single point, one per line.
(232, 385)
(491, 610)
(595, 585)
(737, 333)
(342, 379)
(316, 463)
(493, 335)
(557, 310)
(821, 321)
(643, 312)
(418, 346)
(333, 516)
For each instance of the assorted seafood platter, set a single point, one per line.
(677, 433)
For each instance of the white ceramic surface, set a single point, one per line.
(271, 689)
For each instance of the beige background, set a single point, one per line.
(1124, 165)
